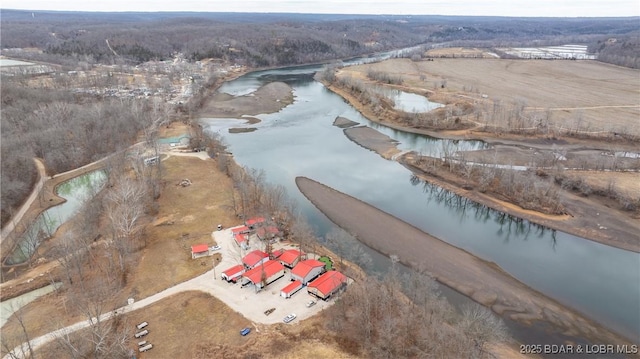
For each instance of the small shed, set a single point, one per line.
(200, 250)
(290, 257)
(327, 284)
(234, 273)
(307, 270)
(291, 289)
(254, 222)
(240, 229)
(242, 240)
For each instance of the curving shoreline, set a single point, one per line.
(622, 232)
(483, 281)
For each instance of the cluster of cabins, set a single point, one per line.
(260, 269)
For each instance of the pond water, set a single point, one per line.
(600, 281)
(410, 102)
(9, 62)
(76, 191)
(8, 307)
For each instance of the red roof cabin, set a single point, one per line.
(232, 274)
(327, 284)
(290, 289)
(240, 229)
(242, 240)
(290, 257)
(254, 258)
(307, 270)
(254, 222)
(262, 275)
(200, 250)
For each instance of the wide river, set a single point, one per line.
(600, 281)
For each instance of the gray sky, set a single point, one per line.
(556, 8)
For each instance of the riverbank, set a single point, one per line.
(482, 281)
(596, 220)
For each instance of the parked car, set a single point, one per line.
(269, 311)
(215, 248)
(311, 304)
(245, 331)
(289, 318)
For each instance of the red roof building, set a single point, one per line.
(241, 240)
(307, 270)
(255, 221)
(241, 229)
(327, 284)
(290, 289)
(276, 254)
(199, 250)
(264, 274)
(232, 274)
(290, 257)
(254, 258)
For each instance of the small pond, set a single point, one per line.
(8, 307)
(76, 191)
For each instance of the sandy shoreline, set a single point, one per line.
(482, 281)
(622, 231)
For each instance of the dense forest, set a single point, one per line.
(260, 40)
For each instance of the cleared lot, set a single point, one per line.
(246, 301)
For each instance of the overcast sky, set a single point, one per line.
(555, 8)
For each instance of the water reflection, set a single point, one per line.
(76, 192)
(463, 208)
(300, 140)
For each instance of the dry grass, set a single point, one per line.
(597, 95)
(195, 211)
(196, 325)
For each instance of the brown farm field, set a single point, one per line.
(590, 94)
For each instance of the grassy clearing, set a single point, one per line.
(187, 216)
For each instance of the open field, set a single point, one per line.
(590, 94)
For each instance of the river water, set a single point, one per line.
(600, 281)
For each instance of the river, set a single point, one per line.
(600, 281)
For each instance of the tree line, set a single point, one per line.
(66, 130)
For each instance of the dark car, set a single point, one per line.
(245, 331)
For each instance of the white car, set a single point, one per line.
(214, 248)
(311, 304)
(289, 318)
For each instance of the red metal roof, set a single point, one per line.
(328, 282)
(268, 269)
(304, 267)
(240, 238)
(199, 248)
(294, 285)
(290, 255)
(254, 220)
(234, 270)
(277, 253)
(254, 257)
(242, 229)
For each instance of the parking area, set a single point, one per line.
(245, 300)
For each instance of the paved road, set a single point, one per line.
(42, 178)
